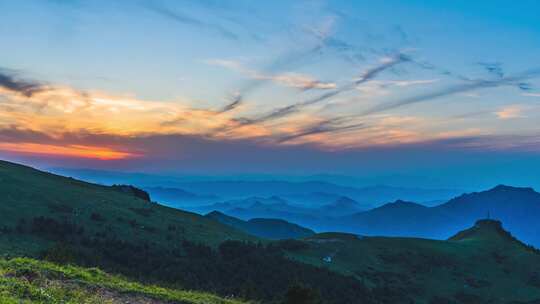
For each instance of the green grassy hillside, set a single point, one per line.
(484, 264)
(26, 193)
(24, 280)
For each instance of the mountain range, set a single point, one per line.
(318, 217)
(517, 207)
(313, 191)
(175, 197)
(304, 192)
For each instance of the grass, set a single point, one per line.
(25, 280)
(485, 263)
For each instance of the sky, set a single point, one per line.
(438, 88)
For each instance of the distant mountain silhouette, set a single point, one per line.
(341, 207)
(176, 197)
(315, 193)
(274, 229)
(313, 198)
(272, 208)
(256, 205)
(518, 208)
(319, 218)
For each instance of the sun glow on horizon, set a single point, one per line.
(71, 151)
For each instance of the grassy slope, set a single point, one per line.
(27, 193)
(484, 263)
(24, 280)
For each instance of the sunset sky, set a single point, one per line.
(271, 86)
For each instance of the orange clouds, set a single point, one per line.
(58, 111)
(61, 109)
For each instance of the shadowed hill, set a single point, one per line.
(485, 230)
(31, 197)
(491, 233)
(399, 218)
(482, 264)
(274, 229)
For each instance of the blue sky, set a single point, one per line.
(125, 84)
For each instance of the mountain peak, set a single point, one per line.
(505, 188)
(215, 213)
(484, 229)
(489, 224)
(345, 199)
(402, 203)
(343, 202)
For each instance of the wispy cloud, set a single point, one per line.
(493, 68)
(382, 87)
(288, 79)
(235, 103)
(324, 33)
(409, 83)
(10, 82)
(386, 63)
(328, 126)
(185, 19)
(369, 74)
(299, 55)
(462, 88)
(510, 112)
